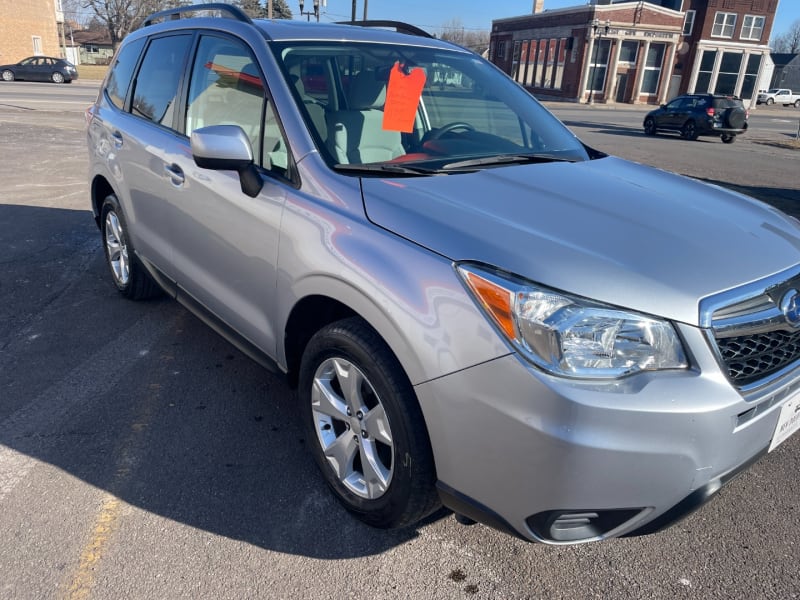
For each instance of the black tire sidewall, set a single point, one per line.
(354, 341)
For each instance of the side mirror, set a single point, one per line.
(226, 148)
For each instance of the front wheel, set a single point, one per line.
(128, 274)
(797, 103)
(689, 130)
(770, 101)
(57, 77)
(649, 126)
(8, 75)
(364, 426)
(728, 139)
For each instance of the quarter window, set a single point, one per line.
(724, 24)
(156, 90)
(752, 27)
(120, 78)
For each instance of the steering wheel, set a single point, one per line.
(435, 134)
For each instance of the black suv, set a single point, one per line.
(694, 115)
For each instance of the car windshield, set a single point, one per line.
(427, 110)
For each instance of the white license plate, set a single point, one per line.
(788, 422)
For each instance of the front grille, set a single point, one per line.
(750, 358)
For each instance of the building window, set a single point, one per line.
(562, 59)
(37, 45)
(752, 27)
(705, 72)
(728, 73)
(628, 51)
(530, 75)
(551, 61)
(515, 61)
(540, 64)
(750, 76)
(652, 68)
(599, 65)
(688, 22)
(724, 24)
(501, 49)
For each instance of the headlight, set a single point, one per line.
(570, 336)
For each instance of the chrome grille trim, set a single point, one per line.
(755, 344)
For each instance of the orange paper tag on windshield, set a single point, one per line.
(402, 99)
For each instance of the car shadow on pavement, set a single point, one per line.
(144, 402)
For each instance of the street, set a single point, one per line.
(142, 456)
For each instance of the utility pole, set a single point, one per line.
(365, 9)
(269, 9)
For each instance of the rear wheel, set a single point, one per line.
(8, 75)
(364, 426)
(649, 126)
(57, 77)
(797, 103)
(770, 101)
(689, 130)
(728, 139)
(128, 274)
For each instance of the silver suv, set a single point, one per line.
(477, 309)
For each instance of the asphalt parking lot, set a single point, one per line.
(141, 456)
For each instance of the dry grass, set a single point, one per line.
(92, 71)
(789, 144)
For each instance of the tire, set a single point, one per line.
(649, 126)
(128, 274)
(797, 103)
(7, 75)
(728, 139)
(57, 77)
(689, 131)
(373, 432)
(770, 102)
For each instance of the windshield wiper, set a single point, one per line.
(397, 169)
(505, 159)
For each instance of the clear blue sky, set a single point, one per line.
(476, 14)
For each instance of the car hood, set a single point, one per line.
(607, 229)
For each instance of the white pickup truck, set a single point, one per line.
(779, 96)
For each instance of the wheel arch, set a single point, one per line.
(99, 190)
(314, 311)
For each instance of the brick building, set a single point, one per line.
(636, 51)
(28, 28)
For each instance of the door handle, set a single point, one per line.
(175, 174)
(117, 138)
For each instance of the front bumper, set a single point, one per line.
(562, 461)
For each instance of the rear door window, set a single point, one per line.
(157, 82)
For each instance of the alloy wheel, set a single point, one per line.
(117, 249)
(352, 428)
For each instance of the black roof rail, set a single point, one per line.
(233, 12)
(398, 26)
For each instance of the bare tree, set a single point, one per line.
(123, 16)
(788, 41)
(454, 31)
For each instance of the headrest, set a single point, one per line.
(367, 91)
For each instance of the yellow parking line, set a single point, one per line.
(104, 526)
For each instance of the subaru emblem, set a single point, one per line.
(790, 307)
